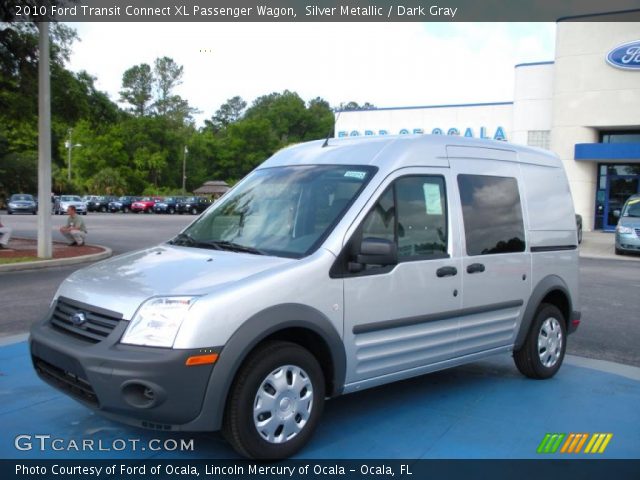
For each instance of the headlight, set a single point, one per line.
(12, 205)
(624, 230)
(157, 321)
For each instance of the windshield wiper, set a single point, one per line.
(230, 246)
(183, 239)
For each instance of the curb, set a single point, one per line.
(620, 258)
(58, 262)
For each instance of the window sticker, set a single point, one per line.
(355, 174)
(432, 198)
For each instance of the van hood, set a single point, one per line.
(122, 283)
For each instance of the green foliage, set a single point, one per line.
(137, 83)
(140, 151)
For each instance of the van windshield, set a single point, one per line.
(281, 211)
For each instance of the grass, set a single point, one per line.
(6, 261)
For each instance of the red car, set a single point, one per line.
(145, 205)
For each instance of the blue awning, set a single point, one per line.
(608, 151)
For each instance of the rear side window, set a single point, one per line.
(492, 214)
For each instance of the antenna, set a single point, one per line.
(326, 140)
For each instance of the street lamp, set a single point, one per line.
(69, 146)
(184, 170)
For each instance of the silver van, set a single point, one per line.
(331, 268)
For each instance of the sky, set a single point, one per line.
(386, 64)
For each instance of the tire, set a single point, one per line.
(580, 235)
(103, 209)
(172, 211)
(619, 252)
(9, 212)
(549, 329)
(257, 380)
(84, 213)
(194, 211)
(125, 209)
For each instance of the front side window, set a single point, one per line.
(413, 213)
(282, 211)
(492, 214)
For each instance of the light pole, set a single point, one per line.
(184, 170)
(69, 147)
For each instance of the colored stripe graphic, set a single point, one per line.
(598, 443)
(551, 442)
(573, 443)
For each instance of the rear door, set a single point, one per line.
(496, 270)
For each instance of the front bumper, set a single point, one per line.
(141, 386)
(628, 242)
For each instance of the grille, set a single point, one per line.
(97, 326)
(66, 381)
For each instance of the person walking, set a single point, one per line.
(5, 235)
(75, 229)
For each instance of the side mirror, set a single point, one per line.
(375, 251)
(616, 213)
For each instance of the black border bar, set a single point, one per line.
(319, 10)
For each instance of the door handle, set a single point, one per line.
(446, 272)
(475, 268)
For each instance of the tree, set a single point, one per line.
(167, 76)
(107, 181)
(349, 106)
(228, 113)
(136, 90)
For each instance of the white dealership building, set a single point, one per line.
(584, 105)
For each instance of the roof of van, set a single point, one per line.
(390, 152)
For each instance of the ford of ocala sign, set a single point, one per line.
(626, 56)
(468, 132)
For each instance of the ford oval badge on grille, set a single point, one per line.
(625, 56)
(79, 318)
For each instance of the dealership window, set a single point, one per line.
(624, 136)
(539, 138)
(492, 214)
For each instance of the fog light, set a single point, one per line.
(142, 394)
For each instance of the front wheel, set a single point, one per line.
(275, 402)
(543, 350)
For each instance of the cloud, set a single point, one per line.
(387, 64)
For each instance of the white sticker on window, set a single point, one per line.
(432, 198)
(354, 174)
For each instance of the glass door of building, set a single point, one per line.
(619, 188)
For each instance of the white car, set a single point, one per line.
(65, 201)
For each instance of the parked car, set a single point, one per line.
(325, 271)
(65, 201)
(100, 204)
(122, 204)
(145, 205)
(22, 203)
(168, 205)
(193, 205)
(628, 228)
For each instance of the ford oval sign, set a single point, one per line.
(626, 56)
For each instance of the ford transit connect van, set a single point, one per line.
(329, 269)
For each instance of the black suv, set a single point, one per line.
(100, 204)
(193, 205)
(168, 205)
(122, 204)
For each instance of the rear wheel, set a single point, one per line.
(194, 211)
(275, 401)
(125, 209)
(543, 350)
